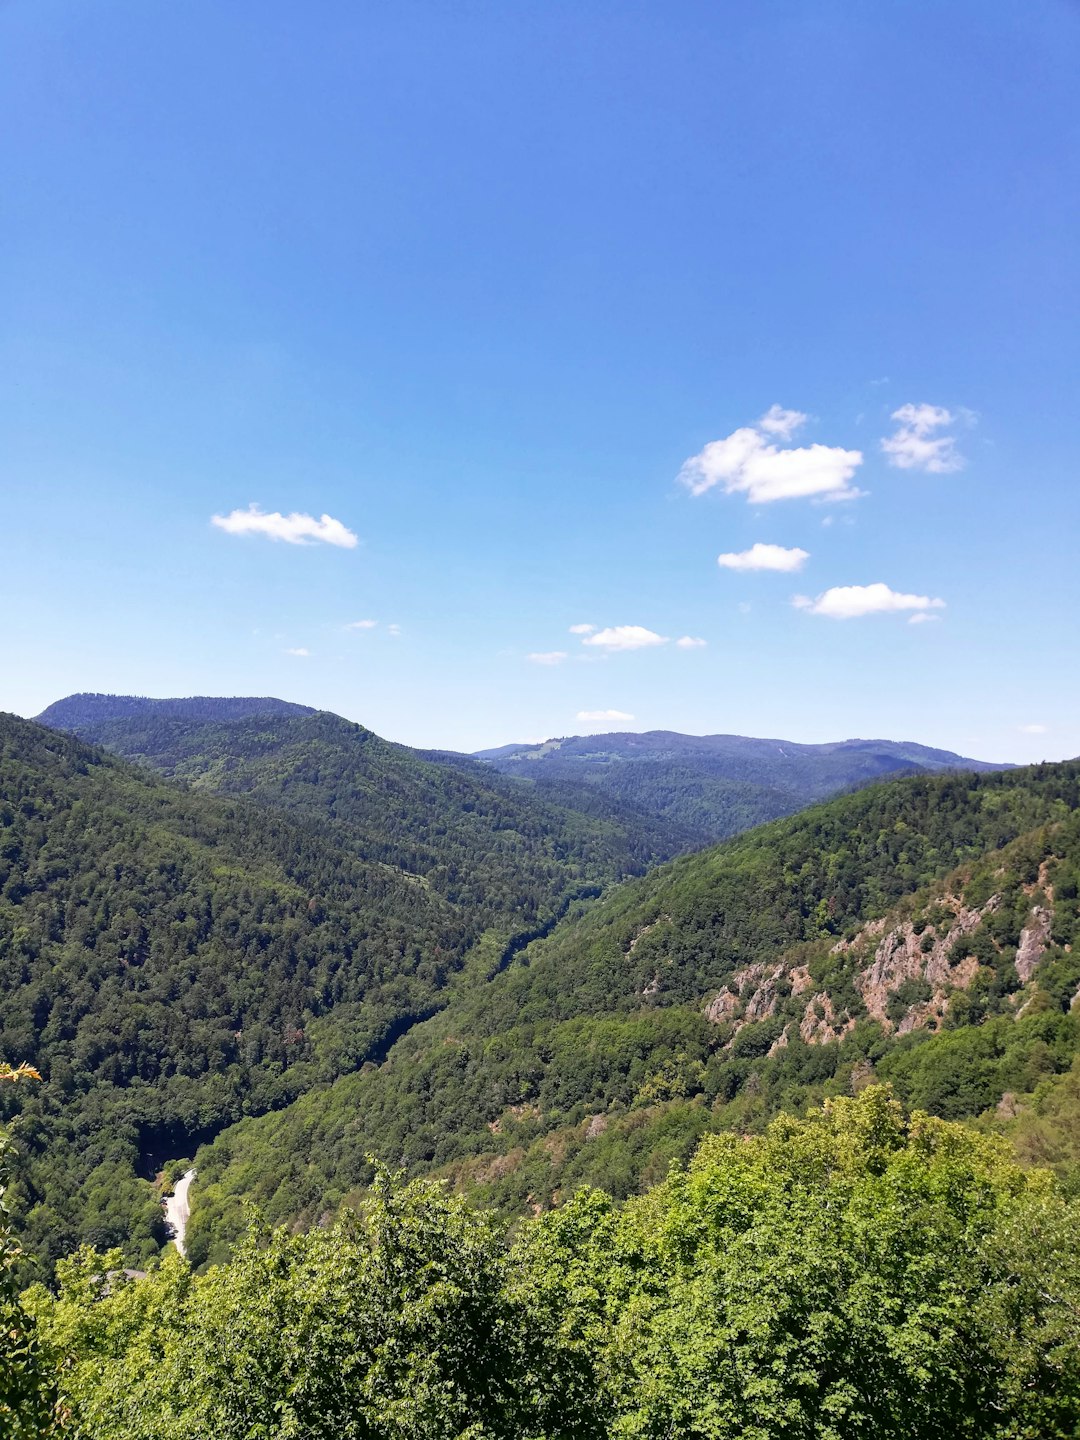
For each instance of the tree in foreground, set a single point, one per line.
(26, 1396)
(846, 1275)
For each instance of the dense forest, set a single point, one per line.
(665, 792)
(172, 960)
(856, 1272)
(717, 785)
(446, 817)
(294, 953)
(607, 1049)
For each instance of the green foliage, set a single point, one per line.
(850, 1273)
(716, 785)
(27, 1403)
(173, 960)
(605, 1014)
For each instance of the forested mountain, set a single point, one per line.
(717, 785)
(924, 930)
(76, 712)
(172, 959)
(666, 792)
(481, 838)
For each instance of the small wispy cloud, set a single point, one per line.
(690, 642)
(393, 629)
(747, 462)
(594, 715)
(582, 629)
(299, 651)
(764, 557)
(294, 529)
(743, 607)
(625, 637)
(361, 625)
(923, 618)
(1032, 729)
(547, 657)
(916, 443)
(848, 602)
(781, 422)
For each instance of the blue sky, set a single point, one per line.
(476, 281)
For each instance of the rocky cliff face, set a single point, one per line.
(902, 970)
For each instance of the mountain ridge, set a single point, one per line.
(96, 707)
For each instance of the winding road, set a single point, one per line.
(177, 1210)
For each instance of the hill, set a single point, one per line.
(483, 839)
(919, 929)
(172, 959)
(717, 785)
(90, 711)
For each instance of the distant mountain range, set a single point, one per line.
(672, 792)
(717, 785)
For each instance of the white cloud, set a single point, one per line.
(747, 463)
(764, 557)
(294, 529)
(743, 607)
(1032, 729)
(781, 422)
(603, 715)
(915, 446)
(300, 652)
(691, 642)
(625, 637)
(846, 602)
(547, 657)
(394, 629)
(922, 618)
(361, 625)
(582, 629)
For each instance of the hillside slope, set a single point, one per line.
(172, 959)
(717, 784)
(482, 840)
(712, 992)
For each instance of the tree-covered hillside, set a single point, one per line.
(717, 785)
(713, 992)
(76, 712)
(172, 960)
(854, 1273)
(482, 840)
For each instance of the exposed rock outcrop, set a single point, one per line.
(1034, 939)
(901, 956)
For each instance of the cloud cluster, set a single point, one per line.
(690, 642)
(916, 443)
(847, 602)
(764, 557)
(547, 657)
(747, 462)
(756, 462)
(582, 629)
(294, 529)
